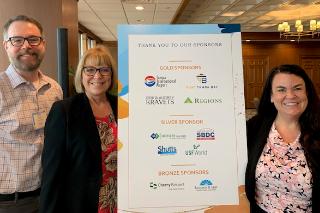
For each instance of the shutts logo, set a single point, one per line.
(150, 81)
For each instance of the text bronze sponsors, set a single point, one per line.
(183, 172)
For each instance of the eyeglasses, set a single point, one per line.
(19, 41)
(91, 71)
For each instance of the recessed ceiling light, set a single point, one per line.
(140, 20)
(248, 40)
(139, 8)
(292, 40)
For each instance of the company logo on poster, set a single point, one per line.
(167, 136)
(159, 81)
(159, 100)
(150, 81)
(202, 101)
(168, 186)
(203, 80)
(205, 186)
(205, 134)
(196, 151)
(171, 150)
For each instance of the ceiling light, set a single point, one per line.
(284, 29)
(139, 8)
(140, 20)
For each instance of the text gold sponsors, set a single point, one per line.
(183, 172)
(183, 122)
(193, 67)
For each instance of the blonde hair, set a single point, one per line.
(98, 56)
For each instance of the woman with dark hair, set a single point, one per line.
(283, 167)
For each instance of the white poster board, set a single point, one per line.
(182, 143)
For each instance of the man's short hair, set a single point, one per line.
(20, 18)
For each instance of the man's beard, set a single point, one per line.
(26, 65)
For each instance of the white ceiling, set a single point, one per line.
(101, 17)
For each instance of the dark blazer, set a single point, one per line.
(258, 129)
(71, 158)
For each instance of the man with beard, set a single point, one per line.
(26, 96)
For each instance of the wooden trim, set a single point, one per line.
(89, 33)
(179, 11)
(111, 43)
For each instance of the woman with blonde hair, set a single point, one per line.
(80, 149)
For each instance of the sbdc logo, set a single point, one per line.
(205, 134)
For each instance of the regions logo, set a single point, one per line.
(159, 100)
(159, 81)
(206, 185)
(150, 81)
(171, 150)
(167, 186)
(205, 134)
(196, 151)
(167, 136)
(202, 101)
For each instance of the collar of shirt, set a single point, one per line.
(16, 79)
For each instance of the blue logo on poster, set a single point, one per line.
(206, 183)
(150, 81)
(167, 150)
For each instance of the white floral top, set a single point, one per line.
(283, 179)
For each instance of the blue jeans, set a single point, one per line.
(25, 205)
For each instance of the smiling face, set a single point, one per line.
(289, 95)
(95, 86)
(26, 58)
